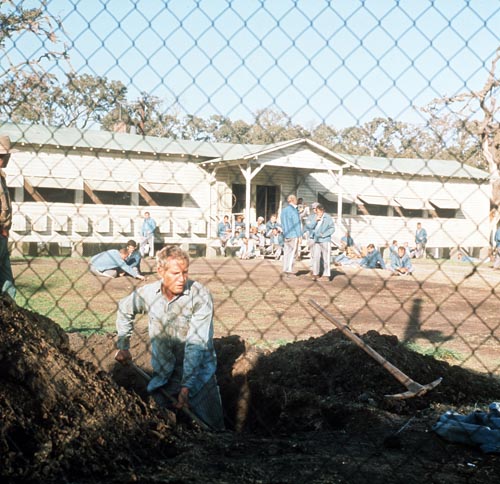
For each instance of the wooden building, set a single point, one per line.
(77, 191)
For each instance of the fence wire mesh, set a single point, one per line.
(182, 113)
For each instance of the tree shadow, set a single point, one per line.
(414, 327)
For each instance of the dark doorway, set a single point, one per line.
(267, 200)
(239, 198)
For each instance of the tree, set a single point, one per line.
(465, 107)
(16, 20)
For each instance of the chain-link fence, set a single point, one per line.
(326, 166)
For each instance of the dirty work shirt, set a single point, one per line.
(111, 259)
(181, 333)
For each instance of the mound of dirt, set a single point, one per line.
(60, 413)
(331, 383)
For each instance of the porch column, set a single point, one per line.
(249, 175)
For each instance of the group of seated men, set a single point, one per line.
(370, 257)
(267, 238)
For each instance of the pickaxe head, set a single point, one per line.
(415, 390)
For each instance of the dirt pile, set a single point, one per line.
(330, 383)
(59, 414)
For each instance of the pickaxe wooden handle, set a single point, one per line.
(186, 410)
(414, 388)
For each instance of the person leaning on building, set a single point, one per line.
(6, 276)
(292, 232)
(181, 330)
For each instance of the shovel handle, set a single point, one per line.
(186, 410)
(396, 372)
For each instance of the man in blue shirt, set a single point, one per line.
(420, 241)
(111, 263)
(496, 263)
(224, 233)
(292, 231)
(181, 331)
(401, 264)
(134, 257)
(321, 250)
(373, 259)
(148, 235)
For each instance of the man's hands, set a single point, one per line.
(123, 356)
(4, 233)
(183, 398)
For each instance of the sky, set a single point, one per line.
(341, 62)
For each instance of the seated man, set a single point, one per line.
(348, 258)
(276, 243)
(134, 257)
(373, 259)
(271, 224)
(346, 241)
(224, 233)
(111, 263)
(247, 249)
(401, 264)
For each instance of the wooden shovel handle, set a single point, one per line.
(396, 372)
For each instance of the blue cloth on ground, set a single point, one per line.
(478, 428)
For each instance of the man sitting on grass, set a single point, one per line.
(401, 264)
(373, 259)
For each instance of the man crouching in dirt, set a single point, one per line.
(181, 331)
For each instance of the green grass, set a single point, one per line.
(66, 294)
(443, 354)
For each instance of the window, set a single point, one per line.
(371, 209)
(57, 195)
(333, 207)
(109, 198)
(163, 199)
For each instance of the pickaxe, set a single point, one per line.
(414, 388)
(186, 410)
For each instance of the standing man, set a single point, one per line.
(321, 250)
(496, 263)
(147, 243)
(181, 332)
(6, 276)
(420, 241)
(292, 231)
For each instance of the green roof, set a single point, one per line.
(416, 167)
(107, 140)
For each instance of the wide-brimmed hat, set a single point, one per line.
(5, 146)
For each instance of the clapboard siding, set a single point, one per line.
(66, 222)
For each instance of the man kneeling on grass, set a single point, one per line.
(112, 263)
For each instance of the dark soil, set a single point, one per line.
(311, 411)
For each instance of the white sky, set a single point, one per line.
(341, 62)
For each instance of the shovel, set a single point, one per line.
(186, 410)
(414, 389)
